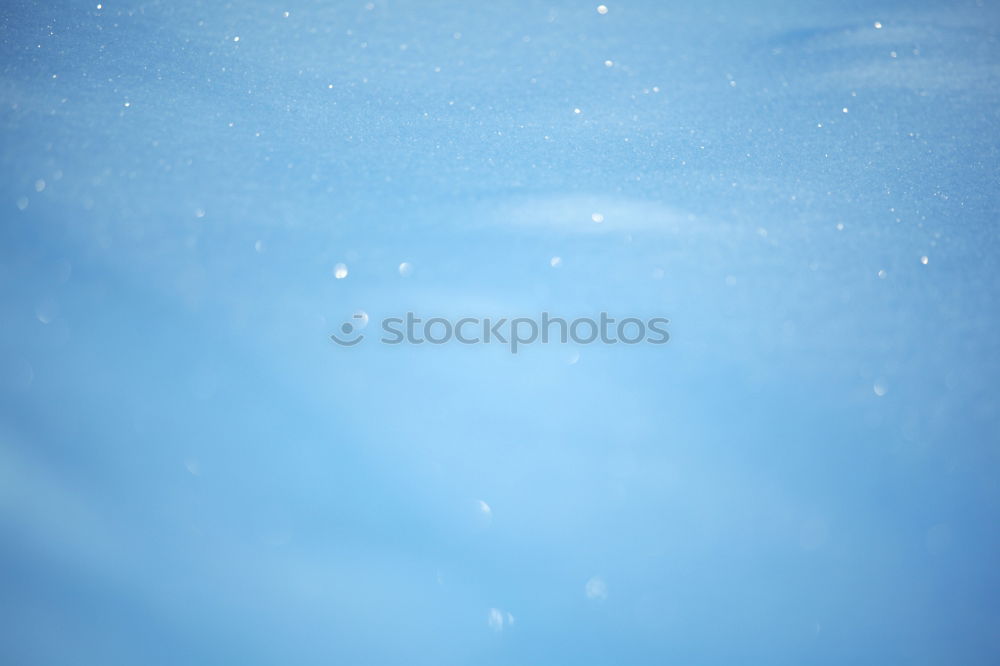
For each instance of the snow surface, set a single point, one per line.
(195, 195)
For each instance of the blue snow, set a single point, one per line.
(195, 195)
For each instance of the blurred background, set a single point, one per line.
(195, 195)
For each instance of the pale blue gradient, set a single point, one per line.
(191, 472)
